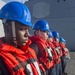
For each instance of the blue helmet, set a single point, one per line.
(50, 35)
(62, 40)
(16, 11)
(41, 25)
(55, 34)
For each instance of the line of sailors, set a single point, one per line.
(50, 48)
(16, 56)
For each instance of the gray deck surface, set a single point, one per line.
(70, 69)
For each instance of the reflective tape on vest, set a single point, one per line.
(57, 49)
(37, 67)
(66, 49)
(49, 51)
(30, 69)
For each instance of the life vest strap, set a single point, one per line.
(50, 55)
(22, 64)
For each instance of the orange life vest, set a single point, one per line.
(64, 52)
(55, 56)
(58, 49)
(43, 47)
(19, 61)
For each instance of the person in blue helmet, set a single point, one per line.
(56, 58)
(40, 45)
(16, 57)
(59, 52)
(65, 53)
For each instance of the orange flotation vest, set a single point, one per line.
(55, 55)
(19, 61)
(64, 51)
(58, 49)
(43, 47)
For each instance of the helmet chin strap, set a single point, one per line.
(14, 32)
(13, 29)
